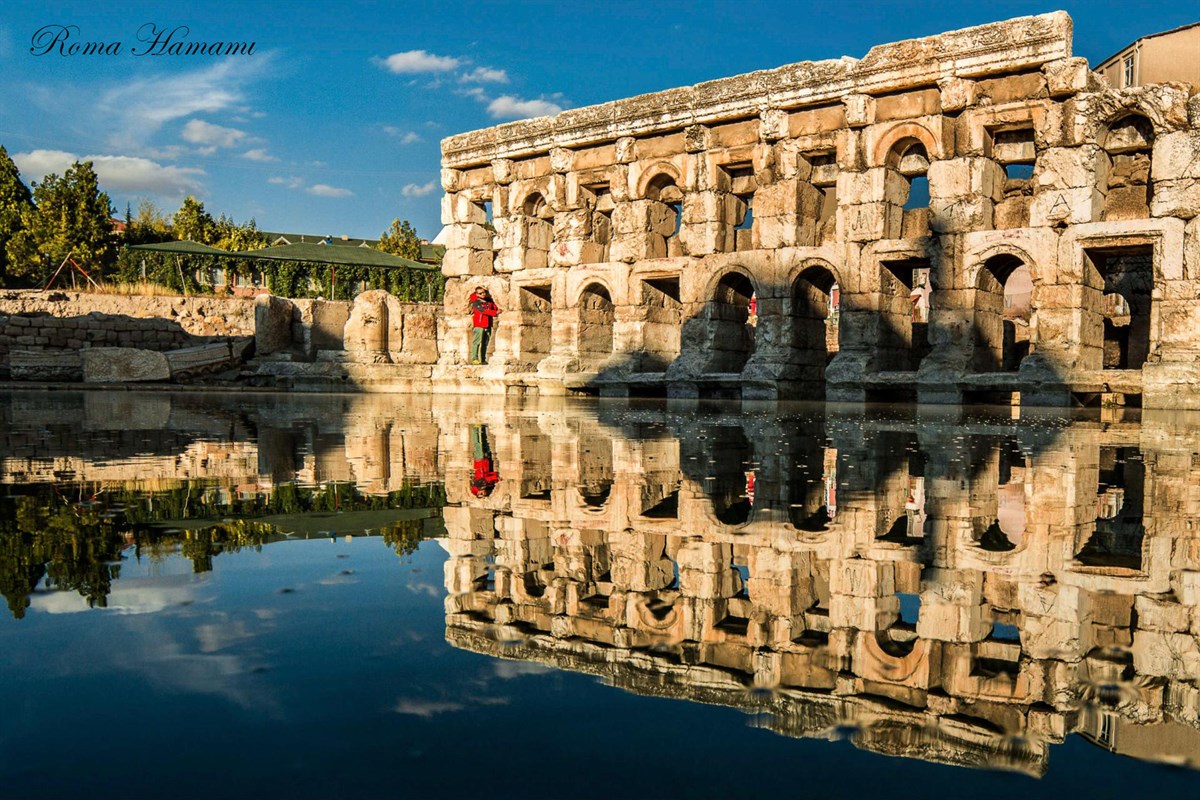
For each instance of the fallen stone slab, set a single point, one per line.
(124, 365)
(44, 365)
(198, 359)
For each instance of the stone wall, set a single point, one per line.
(943, 589)
(920, 184)
(74, 321)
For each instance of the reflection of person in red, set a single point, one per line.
(485, 476)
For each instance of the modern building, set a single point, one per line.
(1170, 56)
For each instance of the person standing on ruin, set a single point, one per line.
(483, 313)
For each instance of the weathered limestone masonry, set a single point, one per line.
(1057, 255)
(375, 344)
(156, 441)
(968, 594)
(53, 328)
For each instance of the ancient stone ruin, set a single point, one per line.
(969, 594)
(970, 216)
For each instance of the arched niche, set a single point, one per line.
(1003, 313)
(595, 332)
(813, 327)
(731, 336)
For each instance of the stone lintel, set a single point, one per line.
(996, 48)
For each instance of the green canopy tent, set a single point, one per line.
(305, 252)
(337, 256)
(184, 247)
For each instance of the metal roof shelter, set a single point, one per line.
(335, 256)
(304, 251)
(184, 247)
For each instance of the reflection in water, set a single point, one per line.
(961, 592)
(968, 592)
(51, 540)
(97, 479)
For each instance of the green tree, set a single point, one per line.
(16, 204)
(194, 224)
(71, 217)
(238, 238)
(150, 224)
(401, 240)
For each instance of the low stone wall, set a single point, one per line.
(375, 342)
(73, 321)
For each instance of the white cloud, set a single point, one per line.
(509, 107)
(135, 109)
(405, 137)
(197, 131)
(425, 708)
(291, 183)
(126, 174)
(258, 154)
(421, 707)
(508, 670)
(484, 75)
(325, 190)
(136, 596)
(317, 189)
(415, 190)
(417, 61)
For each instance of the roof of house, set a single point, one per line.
(1144, 38)
(432, 252)
(274, 237)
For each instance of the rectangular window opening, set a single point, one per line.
(904, 340)
(1013, 145)
(1128, 285)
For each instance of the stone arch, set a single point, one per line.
(905, 133)
(812, 330)
(659, 212)
(1128, 129)
(1003, 313)
(727, 312)
(904, 154)
(656, 178)
(535, 205)
(724, 453)
(893, 656)
(659, 615)
(529, 234)
(596, 315)
(1000, 502)
(1127, 142)
(595, 477)
(1004, 248)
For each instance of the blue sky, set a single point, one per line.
(332, 126)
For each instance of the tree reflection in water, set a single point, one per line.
(78, 543)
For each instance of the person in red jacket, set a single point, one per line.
(483, 312)
(485, 476)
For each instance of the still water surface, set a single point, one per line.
(411, 597)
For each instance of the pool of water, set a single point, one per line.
(326, 596)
